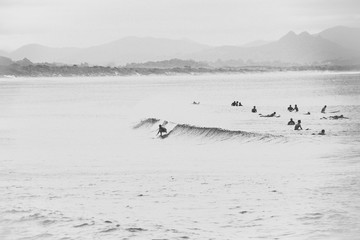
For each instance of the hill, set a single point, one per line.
(39, 53)
(120, 52)
(344, 36)
(4, 61)
(291, 48)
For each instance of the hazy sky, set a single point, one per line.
(83, 23)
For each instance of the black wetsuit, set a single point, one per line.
(298, 127)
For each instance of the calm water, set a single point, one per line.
(80, 159)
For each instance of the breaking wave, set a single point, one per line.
(149, 122)
(211, 133)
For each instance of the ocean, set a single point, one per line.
(80, 157)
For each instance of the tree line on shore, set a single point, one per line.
(25, 68)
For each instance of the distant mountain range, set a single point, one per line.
(291, 48)
(333, 45)
(120, 52)
(346, 37)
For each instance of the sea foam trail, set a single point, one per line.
(176, 130)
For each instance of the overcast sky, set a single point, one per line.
(83, 23)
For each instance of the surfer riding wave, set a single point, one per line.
(201, 132)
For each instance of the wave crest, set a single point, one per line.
(146, 123)
(210, 133)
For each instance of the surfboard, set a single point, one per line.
(164, 136)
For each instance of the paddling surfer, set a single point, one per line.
(322, 132)
(269, 115)
(338, 117)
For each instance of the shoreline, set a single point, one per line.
(42, 70)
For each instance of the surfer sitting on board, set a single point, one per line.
(298, 126)
(296, 108)
(291, 122)
(290, 108)
(161, 130)
(254, 109)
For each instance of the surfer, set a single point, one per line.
(308, 113)
(298, 125)
(322, 132)
(270, 115)
(323, 109)
(338, 117)
(291, 122)
(296, 108)
(254, 110)
(290, 108)
(161, 130)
